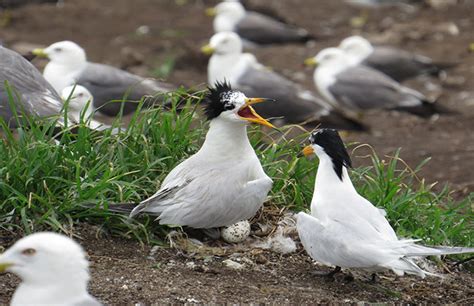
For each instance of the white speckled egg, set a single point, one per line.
(237, 232)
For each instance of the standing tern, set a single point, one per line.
(347, 231)
(53, 269)
(360, 88)
(68, 65)
(222, 183)
(396, 63)
(294, 104)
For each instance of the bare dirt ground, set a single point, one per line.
(123, 271)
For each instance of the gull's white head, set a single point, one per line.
(356, 48)
(327, 143)
(333, 58)
(63, 53)
(227, 15)
(47, 258)
(224, 43)
(232, 106)
(78, 96)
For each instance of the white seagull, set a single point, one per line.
(360, 88)
(222, 183)
(30, 92)
(294, 104)
(396, 63)
(254, 28)
(80, 103)
(68, 65)
(53, 270)
(347, 231)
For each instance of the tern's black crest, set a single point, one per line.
(331, 142)
(218, 99)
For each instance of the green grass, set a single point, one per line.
(43, 185)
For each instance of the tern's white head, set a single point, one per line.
(224, 43)
(63, 53)
(327, 144)
(78, 96)
(356, 48)
(232, 106)
(227, 15)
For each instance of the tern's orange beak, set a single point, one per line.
(308, 150)
(247, 112)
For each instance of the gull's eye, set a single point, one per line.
(80, 95)
(58, 49)
(29, 252)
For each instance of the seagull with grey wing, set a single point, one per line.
(31, 93)
(294, 104)
(253, 27)
(53, 270)
(68, 65)
(396, 63)
(222, 183)
(360, 88)
(345, 230)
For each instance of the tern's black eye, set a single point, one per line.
(229, 106)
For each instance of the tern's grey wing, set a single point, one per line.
(293, 103)
(32, 93)
(107, 83)
(399, 64)
(203, 195)
(342, 243)
(362, 88)
(262, 29)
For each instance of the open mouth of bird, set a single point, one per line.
(247, 112)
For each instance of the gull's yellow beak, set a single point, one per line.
(308, 150)
(247, 112)
(207, 49)
(39, 53)
(4, 266)
(471, 47)
(211, 11)
(311, 62)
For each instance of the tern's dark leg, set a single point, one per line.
(328, 275)
(373, 278)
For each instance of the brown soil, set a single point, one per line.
(125, 272)
(122, 271)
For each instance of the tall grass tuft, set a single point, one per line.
(44, 184)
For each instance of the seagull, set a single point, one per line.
(53, 269)
(293, 105)
(222, 183)
(254, 28)
(31, 93)
(344, 229)
(80, 105)
(396, 63)
(68, 66)
(361, 88)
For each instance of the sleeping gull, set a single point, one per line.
(32, 94)
(253, 27)
(222, 183)
(68, 66)
(396, 63)
(80, 105)
(344, 229)
(53, 270)
(360, 88)
(293, 104)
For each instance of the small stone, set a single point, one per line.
(233, 264)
